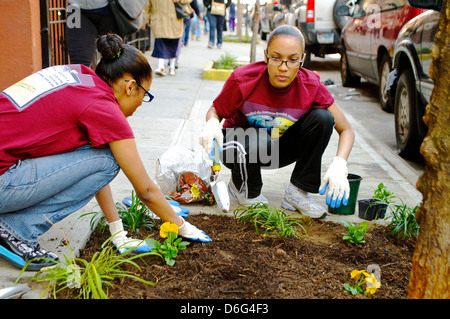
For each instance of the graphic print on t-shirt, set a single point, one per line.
(26, 91)
(275, 120)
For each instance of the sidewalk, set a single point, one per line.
(176, 117)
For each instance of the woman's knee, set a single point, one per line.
(322, 117)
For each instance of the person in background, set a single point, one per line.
(232, 16)
(187, 22)
(216, 23)
(72, 140)
(277, 113)
(96, 19)
(196, 27)
(167, 31)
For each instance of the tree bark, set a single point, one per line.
(255, 27)
(430, 264)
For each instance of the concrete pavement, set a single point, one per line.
(176, 117)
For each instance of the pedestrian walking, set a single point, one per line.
(72, 140)
(96, 18)
(232, 16)
(277, 113)
(167, 30)
(216, 18)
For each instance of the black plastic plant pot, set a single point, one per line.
(370, 209)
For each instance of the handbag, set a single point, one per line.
(128, 15)
(183, 10)
(217, 8)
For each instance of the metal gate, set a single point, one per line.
(53, 34)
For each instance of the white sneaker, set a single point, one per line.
(160, 72)
(240, 196)
(297, 199)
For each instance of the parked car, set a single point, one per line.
(321, 27)
(368, 40)
(409, 87)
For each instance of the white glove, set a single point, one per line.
(336, 184)
(211, 130)
(191, 232)
(122, 242)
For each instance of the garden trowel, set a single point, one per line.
(219, 189)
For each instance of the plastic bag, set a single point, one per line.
(176, 161)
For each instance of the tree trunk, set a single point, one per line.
(430, 264)
(255, 27)
(239, 19)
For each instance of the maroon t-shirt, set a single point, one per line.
(248, 99)
(56, 110)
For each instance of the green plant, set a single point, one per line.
(362, 277)
(89, 279)
(403, 221)
(134, 217)
(274, 220)
(355, 233)
(226, 61)
(382, 195)
(169, 249)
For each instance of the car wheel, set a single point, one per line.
(384, 70)
(405, 111)
(307, 61)
(347, 78)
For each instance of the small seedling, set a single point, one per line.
(403, 221)
(274, 220)
(355, 233)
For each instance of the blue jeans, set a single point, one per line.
(52, 186)
(215, 23)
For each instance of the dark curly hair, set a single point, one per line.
(119, 59)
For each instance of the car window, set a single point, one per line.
(389, 5)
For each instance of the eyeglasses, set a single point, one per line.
(294, 63)
(147, 97)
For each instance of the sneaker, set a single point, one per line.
(210, 46)
(296, 199)
(240, 196)
(160, 72)
(19, 253)
(172, 72)
(219, 46)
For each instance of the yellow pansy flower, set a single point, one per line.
(372, 284)
(357, 273)
(167, 228)
(195, 192)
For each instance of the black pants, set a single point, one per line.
(246, 151)
(81, 41)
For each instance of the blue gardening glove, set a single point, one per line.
(191, 232)
(335, 183)
(124, 243)
(181, 211)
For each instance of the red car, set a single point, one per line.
(368, 41)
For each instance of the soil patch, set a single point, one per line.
(240, 264)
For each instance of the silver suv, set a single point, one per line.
(320, 25)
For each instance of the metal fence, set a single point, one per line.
(53, 34)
